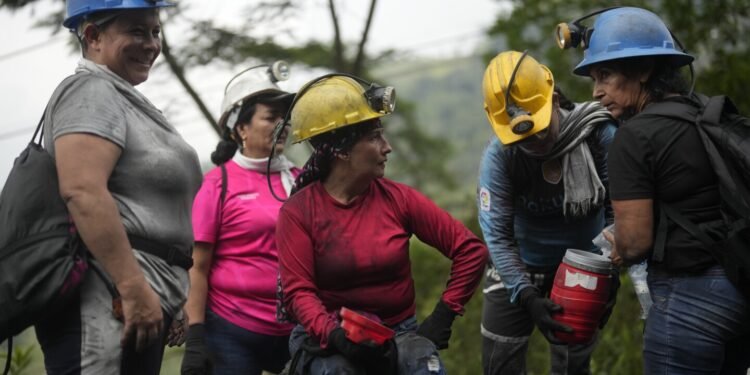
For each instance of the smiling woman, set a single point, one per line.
(128, 179)
(126, 42)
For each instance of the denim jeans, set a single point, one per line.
(416, 355)
(698, 324)
(239, 351)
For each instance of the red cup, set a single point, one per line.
(363, 330)
(581, 287)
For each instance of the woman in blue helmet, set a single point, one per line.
(128, 179)
(699, 322)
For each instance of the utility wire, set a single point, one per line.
(439, 42)
(180, 119)
(17, 132)
(412, 70)
(30, 48)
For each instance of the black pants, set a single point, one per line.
(84, 338)
(506, 329)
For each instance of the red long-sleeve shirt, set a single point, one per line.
(357, 255)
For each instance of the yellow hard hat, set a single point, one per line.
(529, 106)
(335, 101)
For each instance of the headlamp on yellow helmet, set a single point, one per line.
(337, 100)
(518, 95)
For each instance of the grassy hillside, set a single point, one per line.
(448, 101)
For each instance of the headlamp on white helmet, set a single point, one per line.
(249, 84)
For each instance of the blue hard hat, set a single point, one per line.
(77, 10)
(629, 32)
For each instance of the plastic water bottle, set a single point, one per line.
(638, 275)
(602, 243)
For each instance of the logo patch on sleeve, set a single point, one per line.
(484, 199)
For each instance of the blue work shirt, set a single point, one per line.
(521, 214)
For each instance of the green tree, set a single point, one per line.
(419, 157)
(721, 50)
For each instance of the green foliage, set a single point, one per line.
(448, 101)
(172, 361)
(22, 359)
(26, 358)
(713, 31)
(420, 157)
(430, 270)
(15, 4)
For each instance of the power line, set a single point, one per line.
(16, 133)
(30, 48)
(416, 46)
(439, 42)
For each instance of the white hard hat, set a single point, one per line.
(250, 83)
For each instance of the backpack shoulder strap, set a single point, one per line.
(687, 112)
(224, 179)
(39, 130)
(660, 242)
(667, 211)
(691, 113)
(714, 108)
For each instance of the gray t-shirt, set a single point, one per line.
(155, 179)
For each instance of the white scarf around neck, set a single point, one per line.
(278, 164)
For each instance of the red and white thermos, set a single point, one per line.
(582, 287)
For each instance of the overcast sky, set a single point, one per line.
(32, 63)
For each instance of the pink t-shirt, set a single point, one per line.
(242, 279)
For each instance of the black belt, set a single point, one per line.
(171, 254)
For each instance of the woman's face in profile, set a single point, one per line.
(614, 90)
(370, 154)
(130, 44)
(258, 133)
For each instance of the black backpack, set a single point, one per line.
(726, 138)
(41, 260)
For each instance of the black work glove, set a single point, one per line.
(358, 353)
(437, 326)
(610, 306)
(541, 310)
(197, 359)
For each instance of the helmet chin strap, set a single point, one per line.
(520, 119)
(277, 130)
